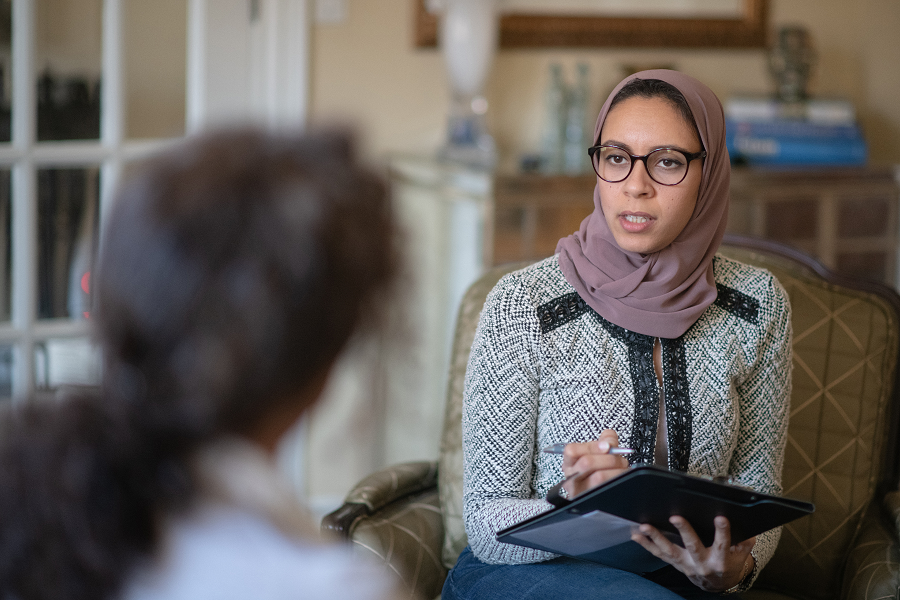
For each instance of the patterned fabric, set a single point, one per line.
(873, 562)
(546, 369)
(845, 347)
(406, 537)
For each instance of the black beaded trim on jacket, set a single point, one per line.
(679, 425)
(569, 307)
(737, 303)
(646, 395)
(560, 311)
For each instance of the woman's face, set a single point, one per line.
(643, 215)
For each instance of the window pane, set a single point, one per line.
(5, 246)
(61, 362)
(6, 370)
(68, 59)
(68, 214)
(5, 69)
(155, 67)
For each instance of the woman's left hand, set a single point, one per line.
(714, 569)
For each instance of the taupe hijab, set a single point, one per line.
(664, 293)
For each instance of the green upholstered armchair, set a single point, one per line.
(841, 452)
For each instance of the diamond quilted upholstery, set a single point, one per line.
(845, 351)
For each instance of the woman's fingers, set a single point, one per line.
(588, 463)
(610, 437)
(656, 543)
(641, 538)
(596, 469)
(722, 541)
(581, 481)
(716, 568)
(598, 477)
(593, 461)
(599, 447)
(573, 484)
(692, 542)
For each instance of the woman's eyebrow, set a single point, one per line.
(625, 146)
(622, 145)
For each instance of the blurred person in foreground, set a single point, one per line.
(232, 272)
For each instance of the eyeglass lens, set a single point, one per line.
(665, 166)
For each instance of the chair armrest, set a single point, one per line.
(395, 516)
(873, 562)
(407, 537)
(892, 508)
(378, 490)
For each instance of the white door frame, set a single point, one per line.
(248, 60)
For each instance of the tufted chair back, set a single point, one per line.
(841, 451)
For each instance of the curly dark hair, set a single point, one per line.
(233, 270)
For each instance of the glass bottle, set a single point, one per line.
(575, 158)
(554, 122)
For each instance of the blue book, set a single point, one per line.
(787, 151)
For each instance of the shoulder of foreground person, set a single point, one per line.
(227, 553)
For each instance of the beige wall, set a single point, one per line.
(69, 44)
(155, 68)
(367, 71)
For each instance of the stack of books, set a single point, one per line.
(819, 132)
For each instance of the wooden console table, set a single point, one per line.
(848, 219)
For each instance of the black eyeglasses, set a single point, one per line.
(666, 166)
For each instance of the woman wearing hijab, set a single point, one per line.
(636, 333)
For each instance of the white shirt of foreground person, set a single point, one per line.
(247, 537)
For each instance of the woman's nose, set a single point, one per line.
(638, 182)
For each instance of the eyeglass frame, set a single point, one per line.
(690, 156)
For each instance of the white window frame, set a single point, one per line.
(278, 62)
(24, 156)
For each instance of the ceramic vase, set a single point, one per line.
(468, 36)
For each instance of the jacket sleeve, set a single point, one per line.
(764, 409)
(500, 412)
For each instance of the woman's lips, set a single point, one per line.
(635, 222)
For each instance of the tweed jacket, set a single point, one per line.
(545, 368)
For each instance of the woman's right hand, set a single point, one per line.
(593, 462)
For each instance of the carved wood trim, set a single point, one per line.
(519, 30)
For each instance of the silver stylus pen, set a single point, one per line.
(558, 449)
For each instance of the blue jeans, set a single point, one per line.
(563, 579)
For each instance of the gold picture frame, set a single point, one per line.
(521, 30)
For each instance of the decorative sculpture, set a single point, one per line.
(790, 61)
